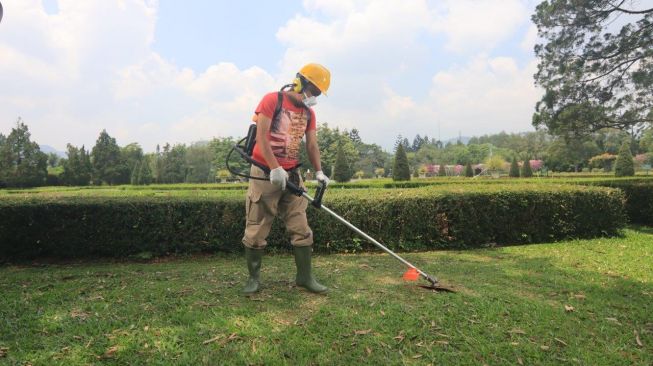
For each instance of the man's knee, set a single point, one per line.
(254, 243)
(302, 238)
(255, 236)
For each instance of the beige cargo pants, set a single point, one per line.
(264, 202)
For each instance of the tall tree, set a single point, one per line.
(406, 144)
(174, 163)
(342, 171)
(595, 73)
(329, 141)
(135, 175)
(442, 171)
(609, 140)
(86, 167)
(469, 172)
(130, 156)
(158, 165)
(570, 155)
(514, 168)
(108, 166)
(526, 170)
(646, 142)
(370, 158)
(624, 166)
(22, 163)
(400, 170)
(53, 159)
(398, 141)
(145, 173)
(355, 137)
(76, 167)
(418, 141)
(219, 148)
(199, 161)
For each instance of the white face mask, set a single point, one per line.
(309, 101)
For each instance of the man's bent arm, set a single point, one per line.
(313, 150)
(263, 127)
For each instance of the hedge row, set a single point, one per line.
(362, 184)
(34, 225)
(639, 199)
(638, 191)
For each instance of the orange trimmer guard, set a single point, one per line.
(411, 275)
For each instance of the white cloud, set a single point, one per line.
(65, 63)
(487, 95)
(528, 43)
(364, 44)
(395, 105)
(478, 25)
(226, 81)
(372, 46)
(91, 66)
(26, 66)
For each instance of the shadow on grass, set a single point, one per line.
(641, 229)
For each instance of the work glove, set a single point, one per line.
(278, 177)
(322, 178)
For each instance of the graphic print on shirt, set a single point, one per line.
(286, 134)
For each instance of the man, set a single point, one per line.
(278, 137)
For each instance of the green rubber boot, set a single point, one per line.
(305, 277)
(254, 257)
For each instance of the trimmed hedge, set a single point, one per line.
(639, 199)
(638, 191)
(68, 225)
(362, 184)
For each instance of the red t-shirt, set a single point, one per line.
(286, 132)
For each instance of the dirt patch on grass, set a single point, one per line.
(388, 280)
(297, 316)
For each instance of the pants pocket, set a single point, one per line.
(255, 210)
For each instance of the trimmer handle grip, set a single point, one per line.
(319, 192)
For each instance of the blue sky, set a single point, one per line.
(169, 71)
(198, 34)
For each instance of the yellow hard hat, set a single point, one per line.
(318, 75)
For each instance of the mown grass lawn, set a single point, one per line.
(580, 302)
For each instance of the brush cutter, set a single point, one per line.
(412, 274)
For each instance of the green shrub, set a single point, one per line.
(442, 172)
(342, 171)
(136, 171)
(624, 166)
(52, 180)
(514, 168)
(400, 169)
(639, 198)
(83, 223)
(526, 171)
(469, 172)
(145, 173)
(604, 161)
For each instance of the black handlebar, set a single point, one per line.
(319, 192)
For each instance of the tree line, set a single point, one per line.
(344, 156)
